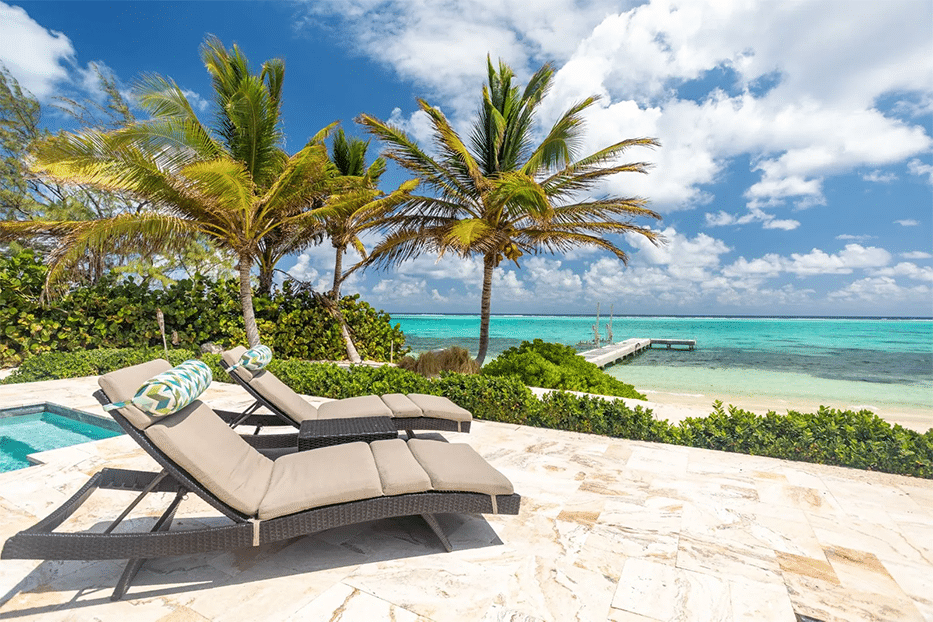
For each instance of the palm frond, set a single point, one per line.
(403, 244)
(517, 194)
(146, 232)
(224, 183)
(184, 136)
(163, 98)
(602, 208)
(404, 151)
(563, 241)
(304, 177)
(585, 172)
(463, 235)
(558, 147)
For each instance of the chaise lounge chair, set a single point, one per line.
(266, 500)
(415, 411)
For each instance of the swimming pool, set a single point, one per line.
(30, 429)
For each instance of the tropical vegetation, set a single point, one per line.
(502, 196)
(26, 195)
(837, 437)
(556, 366)
(232, 184)
(124, 313)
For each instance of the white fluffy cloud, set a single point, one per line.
(402, 288)
(908, 269)
(907, 222)
(35, 56)
(755, 214)
(883, 290)
(916, 167)
(826, 64)
(816, 262)
(879, 177)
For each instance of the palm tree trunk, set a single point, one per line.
(266, 268)
(246, 300)
(352, 354)
(488, 265)
(265, 280)
(333, 307)
(338, 274)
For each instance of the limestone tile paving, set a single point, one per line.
(609, 530)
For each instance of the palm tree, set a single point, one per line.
(355, 206)
(232, 184)
(502, 197)
(361, 206)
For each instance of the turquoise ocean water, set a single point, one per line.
(828, 360)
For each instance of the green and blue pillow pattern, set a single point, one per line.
(171, 390)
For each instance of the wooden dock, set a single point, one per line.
(615, 352)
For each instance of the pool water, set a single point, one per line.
(42, 427)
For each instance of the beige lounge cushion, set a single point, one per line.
(398, 470)
(363, 406)
(320, 477)
(282, 396)
(201, 443)
(232, 357)
(400, 405)
(455, 466)
(439, 407)
(121, 385)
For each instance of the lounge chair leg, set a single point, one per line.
(245, 414)
(145, 491)
(410, 434)
(436, 528)
(133, 566)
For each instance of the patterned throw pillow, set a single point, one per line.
(254, 359)
(171, 390)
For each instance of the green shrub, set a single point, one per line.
(330, 380)
(593, 415)
(556, 366)
(844, 438)
(431, 364)
(494, 399)
(56, 365)
(122, 314)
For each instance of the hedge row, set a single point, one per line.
(123, 314)
(843, 438)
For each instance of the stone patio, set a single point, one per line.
(609, 530)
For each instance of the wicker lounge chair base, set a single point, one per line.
(41, 541)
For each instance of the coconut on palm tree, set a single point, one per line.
(503, 196)
(231, 183)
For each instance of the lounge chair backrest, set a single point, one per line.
(197, 440)
(231, 357)
(272, 390)
(121, 386)
(201, 443)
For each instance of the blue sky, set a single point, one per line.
(795, 176)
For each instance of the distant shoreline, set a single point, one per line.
(650, 315)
